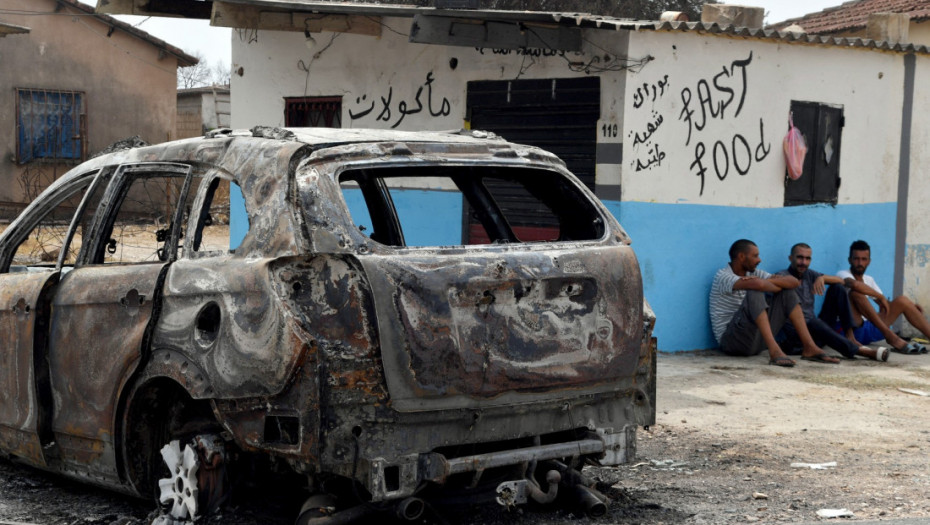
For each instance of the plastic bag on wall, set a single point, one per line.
(795, 149)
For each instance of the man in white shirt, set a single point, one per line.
(744, 322)
(869, 325)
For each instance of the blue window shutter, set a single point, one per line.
(49, 125)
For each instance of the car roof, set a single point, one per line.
(335, 136)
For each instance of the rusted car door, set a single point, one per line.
(19, 409)
(25, 286)
(102, 309)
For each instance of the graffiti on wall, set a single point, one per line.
(522, 51)
(647, 153)
(642, 93)
(390, 111)
(738, 153)
(712, 97)
(719, 95)
(704, 102)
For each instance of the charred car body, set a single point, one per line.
(150, 349)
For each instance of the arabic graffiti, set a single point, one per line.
(644, 138)
(655, 159)
(523, 51)
(365, 107)
(642, 93)
(651, 127)
(714, 102)
(739, 154)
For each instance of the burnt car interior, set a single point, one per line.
(217, 231)
(147, 217)
(145, 220)
(558, 211)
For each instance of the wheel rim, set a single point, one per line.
(180, 490)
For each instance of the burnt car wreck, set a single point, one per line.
(375, 324)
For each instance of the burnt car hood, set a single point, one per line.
(482, 328)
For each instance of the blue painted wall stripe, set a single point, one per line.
(681, 246)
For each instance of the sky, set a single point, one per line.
(198, 37)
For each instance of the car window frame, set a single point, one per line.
(39, 209)
(481, 192)
(200, 209)
(91, 253)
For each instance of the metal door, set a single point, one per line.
(19, 408)
(558, 115)
(100, 320)
(25, 397)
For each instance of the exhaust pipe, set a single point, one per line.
(552, 478)
(410, 509)
(576, 487)
(592, 505)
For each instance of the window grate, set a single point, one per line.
(50, 125)
(313, 112)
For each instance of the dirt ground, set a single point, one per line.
(722, 452)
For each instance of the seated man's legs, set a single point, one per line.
(903, 305)
(825, 335)
(837, 309)
(742, 337)
(786, 304)
(862, 307)
(752, 328)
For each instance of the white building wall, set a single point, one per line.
(379, 78)
(700, 83)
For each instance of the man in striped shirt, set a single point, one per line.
(744, 322)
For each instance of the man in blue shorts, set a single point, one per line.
(813, 283)
(862, 323)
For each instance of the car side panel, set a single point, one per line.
(99, 318)
(251, 353)
(19, 406)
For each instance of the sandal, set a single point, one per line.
(781, 361)
(910, 348)
(821, 358)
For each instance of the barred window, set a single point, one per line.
(313, 112)
(50, 125)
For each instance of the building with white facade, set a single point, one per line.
(676, 126)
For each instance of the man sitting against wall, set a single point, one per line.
(813, 282)
(856, 315)
(745, 322)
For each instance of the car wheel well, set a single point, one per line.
(158, 411)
